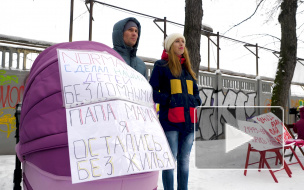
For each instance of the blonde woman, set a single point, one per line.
(175, 89)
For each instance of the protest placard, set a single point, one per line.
(90, 77)
(274, 126)
(261, 138)
(113, 129)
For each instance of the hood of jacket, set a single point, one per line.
(117, 37)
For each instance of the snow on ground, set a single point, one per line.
(7, 166)
(203, 179)
(214, 179)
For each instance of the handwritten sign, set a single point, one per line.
(287, 135)
(261, 138)
(90, 77)
(113, 129)
(274, 126)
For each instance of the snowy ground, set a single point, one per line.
(203, 179)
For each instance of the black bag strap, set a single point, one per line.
(18, 170)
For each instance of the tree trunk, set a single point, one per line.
(288, 55)
(192, 31)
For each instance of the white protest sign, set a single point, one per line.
(90, 77)
(113, 129)
(274, 126)
(261, 139)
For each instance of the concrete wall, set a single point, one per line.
(13, 62)
(216, 89)
(11, 93)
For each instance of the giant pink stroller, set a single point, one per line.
(43, 145)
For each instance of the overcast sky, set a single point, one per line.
(48, 20)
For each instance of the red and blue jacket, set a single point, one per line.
(177, 97)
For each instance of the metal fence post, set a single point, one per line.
(259, 93)
(218, 50)
(91, 20)
(219, 86)
(71, 21)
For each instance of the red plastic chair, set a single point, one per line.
(263, 160)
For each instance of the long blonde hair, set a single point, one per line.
(175, 65)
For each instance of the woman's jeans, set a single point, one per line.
(180, 145)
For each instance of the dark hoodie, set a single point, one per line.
(126, 52)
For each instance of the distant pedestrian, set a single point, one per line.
(125, 38)
(175, 89)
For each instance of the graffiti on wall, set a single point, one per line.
(7, 79)
(11, 93)
(7, 121)
(212, 120)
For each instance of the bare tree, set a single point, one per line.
(288, 50)
(288, 54)
(257, 7)
(192, 31)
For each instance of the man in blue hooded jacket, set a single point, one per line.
(125, 38)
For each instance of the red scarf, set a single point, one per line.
(166, 57)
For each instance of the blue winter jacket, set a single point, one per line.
(177, 98)
(126, 52)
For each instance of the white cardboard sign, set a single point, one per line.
(113, 129)
(274, 126)
(261, 139)
(90, 77)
